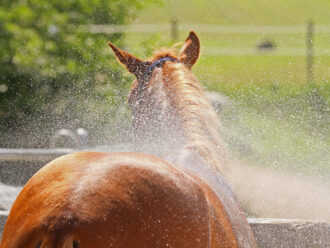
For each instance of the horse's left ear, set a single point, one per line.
(133, 64)
(190, 50)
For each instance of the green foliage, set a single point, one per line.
(57, 75)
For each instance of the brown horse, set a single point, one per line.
(92, 199)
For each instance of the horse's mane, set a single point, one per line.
(200, 122)
(164, 52)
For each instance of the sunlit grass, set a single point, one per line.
(230, 12)
(265, 140)
(261, 67)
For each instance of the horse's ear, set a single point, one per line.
(190, 50)
(132, 63)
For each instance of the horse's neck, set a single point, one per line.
(199, 123)
(177, 116)
(158, 130)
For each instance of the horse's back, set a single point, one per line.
(109, 200)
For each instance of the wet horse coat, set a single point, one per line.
(91, 199)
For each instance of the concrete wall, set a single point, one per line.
(3, 218)
(271, 233)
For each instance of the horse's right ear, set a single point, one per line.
(133, 64)
(190, 50)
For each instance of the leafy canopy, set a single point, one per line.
(52, 72)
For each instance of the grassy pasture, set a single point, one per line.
(238, 12)
(235, 58)
(277, 118)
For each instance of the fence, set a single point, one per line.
(203, 28)
(174, 27)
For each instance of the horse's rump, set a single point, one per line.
(125, 199)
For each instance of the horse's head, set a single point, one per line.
(149, 72)
(150, 97)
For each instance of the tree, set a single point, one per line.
(52, 73)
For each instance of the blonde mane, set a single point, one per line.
(185, 105)
(200, 122)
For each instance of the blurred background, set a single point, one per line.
(265, 64)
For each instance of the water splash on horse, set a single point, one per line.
(181, 200)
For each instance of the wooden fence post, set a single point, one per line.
(174, 29)
(310, 51)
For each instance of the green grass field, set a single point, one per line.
(240, 12)
(277, 118)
